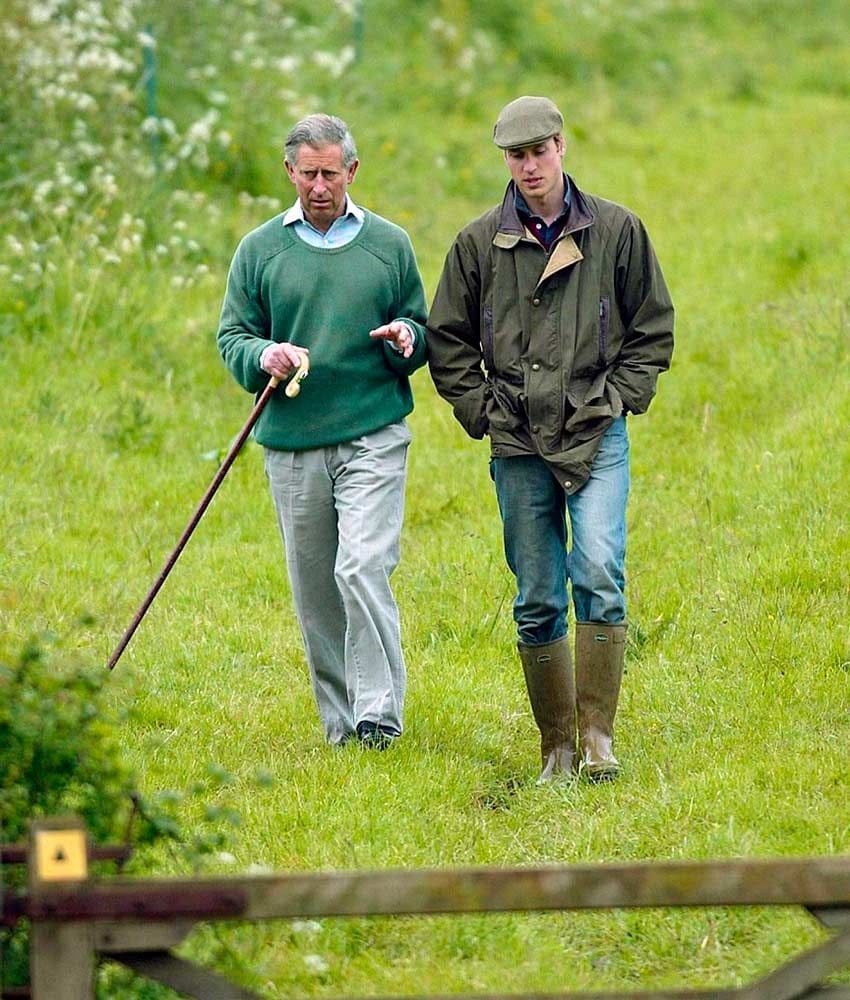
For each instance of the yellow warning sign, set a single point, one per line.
(60, 855)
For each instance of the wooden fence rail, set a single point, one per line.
(75, 919)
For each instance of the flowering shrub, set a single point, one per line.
(117, 131)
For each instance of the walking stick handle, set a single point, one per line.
(293, 386)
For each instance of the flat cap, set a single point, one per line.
(525, 121)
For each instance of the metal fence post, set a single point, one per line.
(359, 29)
(149, 82)
(62, 959)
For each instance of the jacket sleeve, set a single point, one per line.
(244, 328)
(410, 309)
(454, 340)
(647, 313)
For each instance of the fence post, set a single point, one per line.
(149, 81)
(359, 29)
(62, 960)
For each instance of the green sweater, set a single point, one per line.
(282, 289)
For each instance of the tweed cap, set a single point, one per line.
(525, 121)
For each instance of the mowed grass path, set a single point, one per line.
(734, 725)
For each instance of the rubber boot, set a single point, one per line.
(548, 673)
(600, 651)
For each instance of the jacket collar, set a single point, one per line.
(511, 230)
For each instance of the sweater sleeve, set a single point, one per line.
(411, 309)
(244, 328)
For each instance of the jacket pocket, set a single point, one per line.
(591, 407)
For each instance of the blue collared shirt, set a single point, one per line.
(342, 230)
(545, 234)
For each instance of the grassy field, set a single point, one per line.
(727, 127)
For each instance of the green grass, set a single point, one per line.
(730, 136)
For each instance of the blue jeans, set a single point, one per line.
(534, 512)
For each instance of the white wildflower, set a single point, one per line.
(316, 964)
(466, 59)
(257, 869)
(306, 926)
(325, 60)
(201, 130)
(41, 13)
(287, 64)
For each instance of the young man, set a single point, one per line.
(340, 282)
(550, 324)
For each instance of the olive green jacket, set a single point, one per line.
(542, 352)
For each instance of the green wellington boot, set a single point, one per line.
(600, 651)
(548, 673)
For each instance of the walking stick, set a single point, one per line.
(292, 389)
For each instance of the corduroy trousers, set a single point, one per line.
(340, 512)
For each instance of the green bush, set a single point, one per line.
(61, 753)
(60, 749)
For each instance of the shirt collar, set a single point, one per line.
(522, 204)
(296, 213)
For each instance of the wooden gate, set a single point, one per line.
(75, 919)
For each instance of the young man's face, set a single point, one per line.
(537, 169)
(321, 181)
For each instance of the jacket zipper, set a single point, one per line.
(604, 308)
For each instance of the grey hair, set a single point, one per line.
(317, 131)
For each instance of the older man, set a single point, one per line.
(550, 324)
(338, 281)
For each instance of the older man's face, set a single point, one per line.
(537, 169)
(321, 181)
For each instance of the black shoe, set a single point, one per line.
(374, 735)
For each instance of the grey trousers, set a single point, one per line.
(340, 512)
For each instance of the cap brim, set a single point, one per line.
(519, 143)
